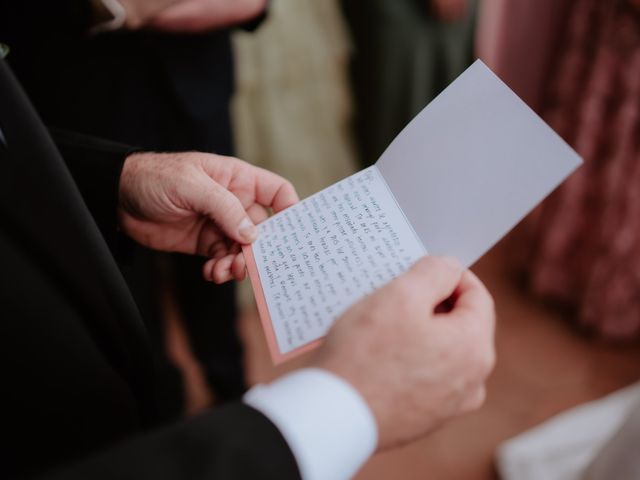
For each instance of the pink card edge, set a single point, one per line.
(265, 317)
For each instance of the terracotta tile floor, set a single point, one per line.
(543, 368)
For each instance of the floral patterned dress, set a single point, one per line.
(584, 242)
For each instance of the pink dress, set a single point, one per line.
(583, 245)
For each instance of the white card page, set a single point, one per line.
(318, 257)
(472, 164)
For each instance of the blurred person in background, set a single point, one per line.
(164, 87)
(577, 62)
(293, 105)
(406, 52)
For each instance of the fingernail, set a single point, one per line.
(452, 262)
(247, 230)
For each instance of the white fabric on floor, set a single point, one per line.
(564, 446)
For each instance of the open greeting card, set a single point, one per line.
(466, 169)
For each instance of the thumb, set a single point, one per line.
(225, 210)
(436, 278)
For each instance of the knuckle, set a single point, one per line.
(288, 187)
(476, 399)
(485, 364)
(490, 303)
(491, 359)
(426, 264)
(481, 362)
(444, 264)
(436, 272)
(237, 165)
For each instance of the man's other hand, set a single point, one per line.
(194, 16)
(416, 363)
(199, 203)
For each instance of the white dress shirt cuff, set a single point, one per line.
(324, 420)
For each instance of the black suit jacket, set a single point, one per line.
(77, 385)
(160, 92)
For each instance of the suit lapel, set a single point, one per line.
(41, 205)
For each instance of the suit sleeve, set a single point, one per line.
(231, 442)
(96, 165)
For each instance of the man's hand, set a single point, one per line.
(194, 16)
(199, 203)
(415, 367)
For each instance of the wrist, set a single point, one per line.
(324, 420)
(126, 185)
(348, 372)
